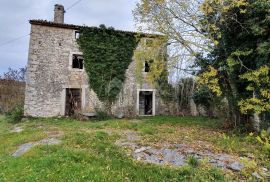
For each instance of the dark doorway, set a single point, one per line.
(73, 101)
(146, 103)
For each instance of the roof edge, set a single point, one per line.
(77, 27)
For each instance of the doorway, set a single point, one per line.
(146, 103)
(73, 101)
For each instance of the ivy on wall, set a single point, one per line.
(155, 54)
(107, 54)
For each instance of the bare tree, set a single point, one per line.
(179, 20)
(14, 74)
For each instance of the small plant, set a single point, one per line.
(15, 115)
(250, 167)
(102, 115)
(264, 139)
(193, 161)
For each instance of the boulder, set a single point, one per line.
(236, 166)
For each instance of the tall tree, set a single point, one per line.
(240, 60)
(229, 41)
(179, 20)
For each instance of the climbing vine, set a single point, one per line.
(107, 54)
(153, 52)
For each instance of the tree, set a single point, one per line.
(240, 59)
(228, 40)
(179, 20)
(14, 74)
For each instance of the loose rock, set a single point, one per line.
(27, 146)
(17, 130)
(236, 166)
(141, 149)
(256, 175)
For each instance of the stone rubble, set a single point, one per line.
(236, 166)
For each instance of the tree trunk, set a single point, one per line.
(256, 122)
(233, 101)
(256, 118)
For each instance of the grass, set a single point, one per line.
(88, 152)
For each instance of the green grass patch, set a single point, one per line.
(184, 121)
(88, 152)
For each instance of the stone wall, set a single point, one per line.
(11, 94)
(49, 73)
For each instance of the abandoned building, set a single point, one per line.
(56, 80)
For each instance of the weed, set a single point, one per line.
(15, 115)
(193, 161)
(264, 140)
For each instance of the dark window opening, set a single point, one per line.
(77, 34)
(146, 103)
(147, 66)
(77, 62)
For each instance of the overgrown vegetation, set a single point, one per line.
(264, 140)
(107, 55)
(88, 151)
(225, 43)
(15, 115)
(102, 115)
(14, 74)
(238, 66)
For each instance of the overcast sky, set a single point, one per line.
(16, 13)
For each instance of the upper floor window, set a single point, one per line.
(147, 66)
(77, 61)
(77, 34)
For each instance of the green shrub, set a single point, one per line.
(203, 97)
(102, 115)
(264, 140)
(193, 161)
(15, 115)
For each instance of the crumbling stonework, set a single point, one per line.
(50, 73)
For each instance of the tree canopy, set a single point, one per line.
(227, 40)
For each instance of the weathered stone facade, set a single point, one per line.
(50, 73)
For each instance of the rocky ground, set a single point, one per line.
(178, 155)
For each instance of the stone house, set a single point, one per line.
(55, 75)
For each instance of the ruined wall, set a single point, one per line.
(49, 73)
(11, 94)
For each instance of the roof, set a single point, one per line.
(77, 27)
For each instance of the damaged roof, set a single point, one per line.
(77, 27)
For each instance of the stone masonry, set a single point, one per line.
(50, 72)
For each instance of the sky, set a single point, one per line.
(15, 16)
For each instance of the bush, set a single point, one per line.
(102, 115)
(193, 161)
(264, 140)
(204, 97)
(15, 115)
